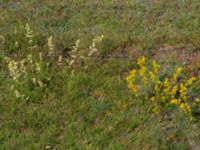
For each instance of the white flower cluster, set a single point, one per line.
(93, 49)
(30, 35)
(51, 46)
(22, 72)
(73, 54)
(16, 68)
(78, 56)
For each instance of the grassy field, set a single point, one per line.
(63, 85)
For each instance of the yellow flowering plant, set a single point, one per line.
(172, 91)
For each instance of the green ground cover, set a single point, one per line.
(89, 106)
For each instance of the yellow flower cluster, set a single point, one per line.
(179, 70)
(168, 90)
(131, 81)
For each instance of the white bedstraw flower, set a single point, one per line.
(51, 46)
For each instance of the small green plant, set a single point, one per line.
(173, 90)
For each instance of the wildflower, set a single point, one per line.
(29, 33)
(184, 106)
(71, 62)
(183, 91)
(167, 91)
(174, 91)
(142, 73)
(93, 49)
(40, 83)
(13, 69)
(30, 59)
(156, 110)
(175, 101)
(74, 48)
(163, 98)
(60, 58)
(141, 61)
(17, 94)
(37, 67)
(155, 66)
(131, 78)
(40, 56)
(179, 70)
(152, 99)
(190, 81)
(166, 86)
(152, 76)
(51, 46)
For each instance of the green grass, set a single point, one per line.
(93, 108)
(130, 23)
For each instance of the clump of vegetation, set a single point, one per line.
(161, 92)
(30, 75)
(64, 71)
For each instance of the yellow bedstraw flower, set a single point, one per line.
(179, 70)
(131, 76)
(141, 61)
(152, 76)
(155, 66)
(130, 79)
(175, 101)
(155, 105)
(183, 91)
(187, 108)
(166, 86)
(142, 73)
(152, 98)
(156, 110)
(183, 106)
(190, 81)
(174, 91)
(163, 98)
